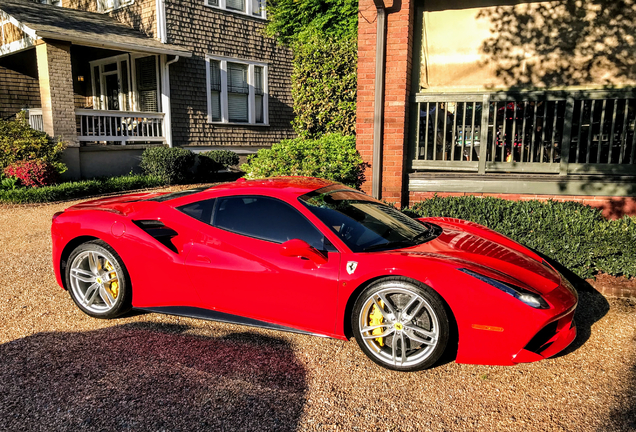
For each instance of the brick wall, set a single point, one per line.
(206, 30)
(17, 91)
(396, 99)
(612, 207)
(56, 90)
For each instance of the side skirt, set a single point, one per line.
(210, 315)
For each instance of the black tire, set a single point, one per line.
(429, 316)
(98, 297)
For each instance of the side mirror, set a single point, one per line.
(301, 249)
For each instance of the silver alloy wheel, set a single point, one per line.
(95, 281)
(408, 328)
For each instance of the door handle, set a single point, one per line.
(203, 259)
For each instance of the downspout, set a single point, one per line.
(165, 98)
(378, 104)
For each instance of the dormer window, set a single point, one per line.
(111, 5)
(254, 8)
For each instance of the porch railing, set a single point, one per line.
(540, 132)
(119, 126)
(35, 119)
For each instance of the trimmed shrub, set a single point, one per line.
(576, 236)
(333, 157)
(209, 163)
(224, 158)
(32, 173)
(172, 165)
(18, 141)
(78, 189)
(324, 85)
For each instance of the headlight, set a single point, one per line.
(527, 297)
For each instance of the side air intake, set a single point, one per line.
(159, 232)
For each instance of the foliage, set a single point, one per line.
(172, 165)
(324, 85)
(32, 173)
(222, 158)
(78, 189)
(8, 183)
(292, 20)
(575, 235)
(18, 141)
(332, 157)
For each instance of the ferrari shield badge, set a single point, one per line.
(351, 266)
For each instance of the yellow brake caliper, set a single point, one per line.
(114, 285)
(376, 318)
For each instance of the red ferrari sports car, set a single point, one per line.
(314, 256)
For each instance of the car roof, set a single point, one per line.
(293, 185)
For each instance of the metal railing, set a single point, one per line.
(541, 132)
(119, 126)
(35, 119)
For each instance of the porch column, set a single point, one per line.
(397, 70)
(56, 93)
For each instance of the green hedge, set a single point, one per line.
(78, 189)
(171, 164)
(576, 236)
(333, 157)
(324, 85)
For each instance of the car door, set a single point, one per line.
(237, 267)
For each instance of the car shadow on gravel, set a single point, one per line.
(149, 376)
(591, 308)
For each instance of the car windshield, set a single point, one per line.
(363, 223)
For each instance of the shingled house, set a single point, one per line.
(518, 99)
(112, 77)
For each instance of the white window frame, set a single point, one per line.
(251, 104)
(99, 102)
(117, 4)
(222, 4)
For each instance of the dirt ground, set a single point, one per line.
(62, 370)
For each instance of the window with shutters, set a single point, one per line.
(146, 68)
(237, 91)
(253, 8)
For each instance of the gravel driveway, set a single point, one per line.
(62, 370)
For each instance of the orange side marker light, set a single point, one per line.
(487, 328)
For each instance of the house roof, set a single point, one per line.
(42, 21)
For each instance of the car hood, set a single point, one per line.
(488, 257)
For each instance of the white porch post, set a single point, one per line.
(165, 97)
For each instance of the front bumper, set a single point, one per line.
(549, 341)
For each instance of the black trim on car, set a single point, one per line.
(210, 315)
(157, 230)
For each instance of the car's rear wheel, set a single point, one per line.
(401, 325)
(98, 281)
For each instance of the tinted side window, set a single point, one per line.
(200, 210)
(267, 219)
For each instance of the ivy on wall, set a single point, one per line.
(323, 37)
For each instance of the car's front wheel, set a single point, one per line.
(400, 325)
(98, 281)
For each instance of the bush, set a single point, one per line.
(172, 165)
(333, 157)
(32, 173)
(576, 236)
(224, 158)
(78, 189)
(18, 141)
(212, 161)
(291, 20)
(324, 85)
